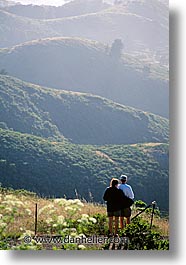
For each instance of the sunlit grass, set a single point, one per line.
(50, 210)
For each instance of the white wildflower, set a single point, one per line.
(2, 225)
(84, 215)
(81, 247)
(69, 209)
(8, 210)
(18, 203)
(71, 201)
(45, 208)
(60, 219)
(65, 230)
(65, 224)
(26, 233)
(51, 211)
(93, 220)
(60, 202)
(49, 220)
(28, 211)
(73, 234)
(80, 204)
(10, 197)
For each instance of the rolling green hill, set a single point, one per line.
(60, 169)
(82, 118)
(86, 66)
(74, 111)
(139, 32)
(73, 8)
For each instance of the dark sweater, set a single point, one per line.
(114, 198)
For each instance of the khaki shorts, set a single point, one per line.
(126, 212)
(114, 213)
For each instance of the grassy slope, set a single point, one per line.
(60, 168)
(83, 118)
(145, 33)
(25, 203)
(84, 65)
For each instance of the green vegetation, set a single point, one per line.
(71, 220)
(59, 168)
(141, 237)
(60, 148)
(80, 117)
(77, 64)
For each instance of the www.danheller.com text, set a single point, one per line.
(75, 240)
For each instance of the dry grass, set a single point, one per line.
(26, 221)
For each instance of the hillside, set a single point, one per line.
(63, 169)
(154, 9)
(82, 118)
(86, 66)
(14, 29)
(73, 8)
(6, 3)
(141, 30)
(84, 98)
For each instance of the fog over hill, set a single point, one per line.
(87, 66)
(42, 2)
(142, 25)
(71, 8)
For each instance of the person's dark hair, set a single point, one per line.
(114, 182)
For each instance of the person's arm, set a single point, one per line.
(131, 193)
(105, 196)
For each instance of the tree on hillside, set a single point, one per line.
(3, 72)
(116, 49)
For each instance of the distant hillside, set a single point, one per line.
(60, 168)
(6, 3)
(15, 29)
(141, 30)
(73, 8)
(86, 66)
(154, 9)
(83, 118)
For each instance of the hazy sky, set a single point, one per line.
(42, 2)
(48, 2)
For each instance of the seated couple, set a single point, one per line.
(116, 204)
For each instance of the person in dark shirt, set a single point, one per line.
(114, 198)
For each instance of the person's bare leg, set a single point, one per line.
(116, 225)
(128, 220)
(110, 224)
(121, 222)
